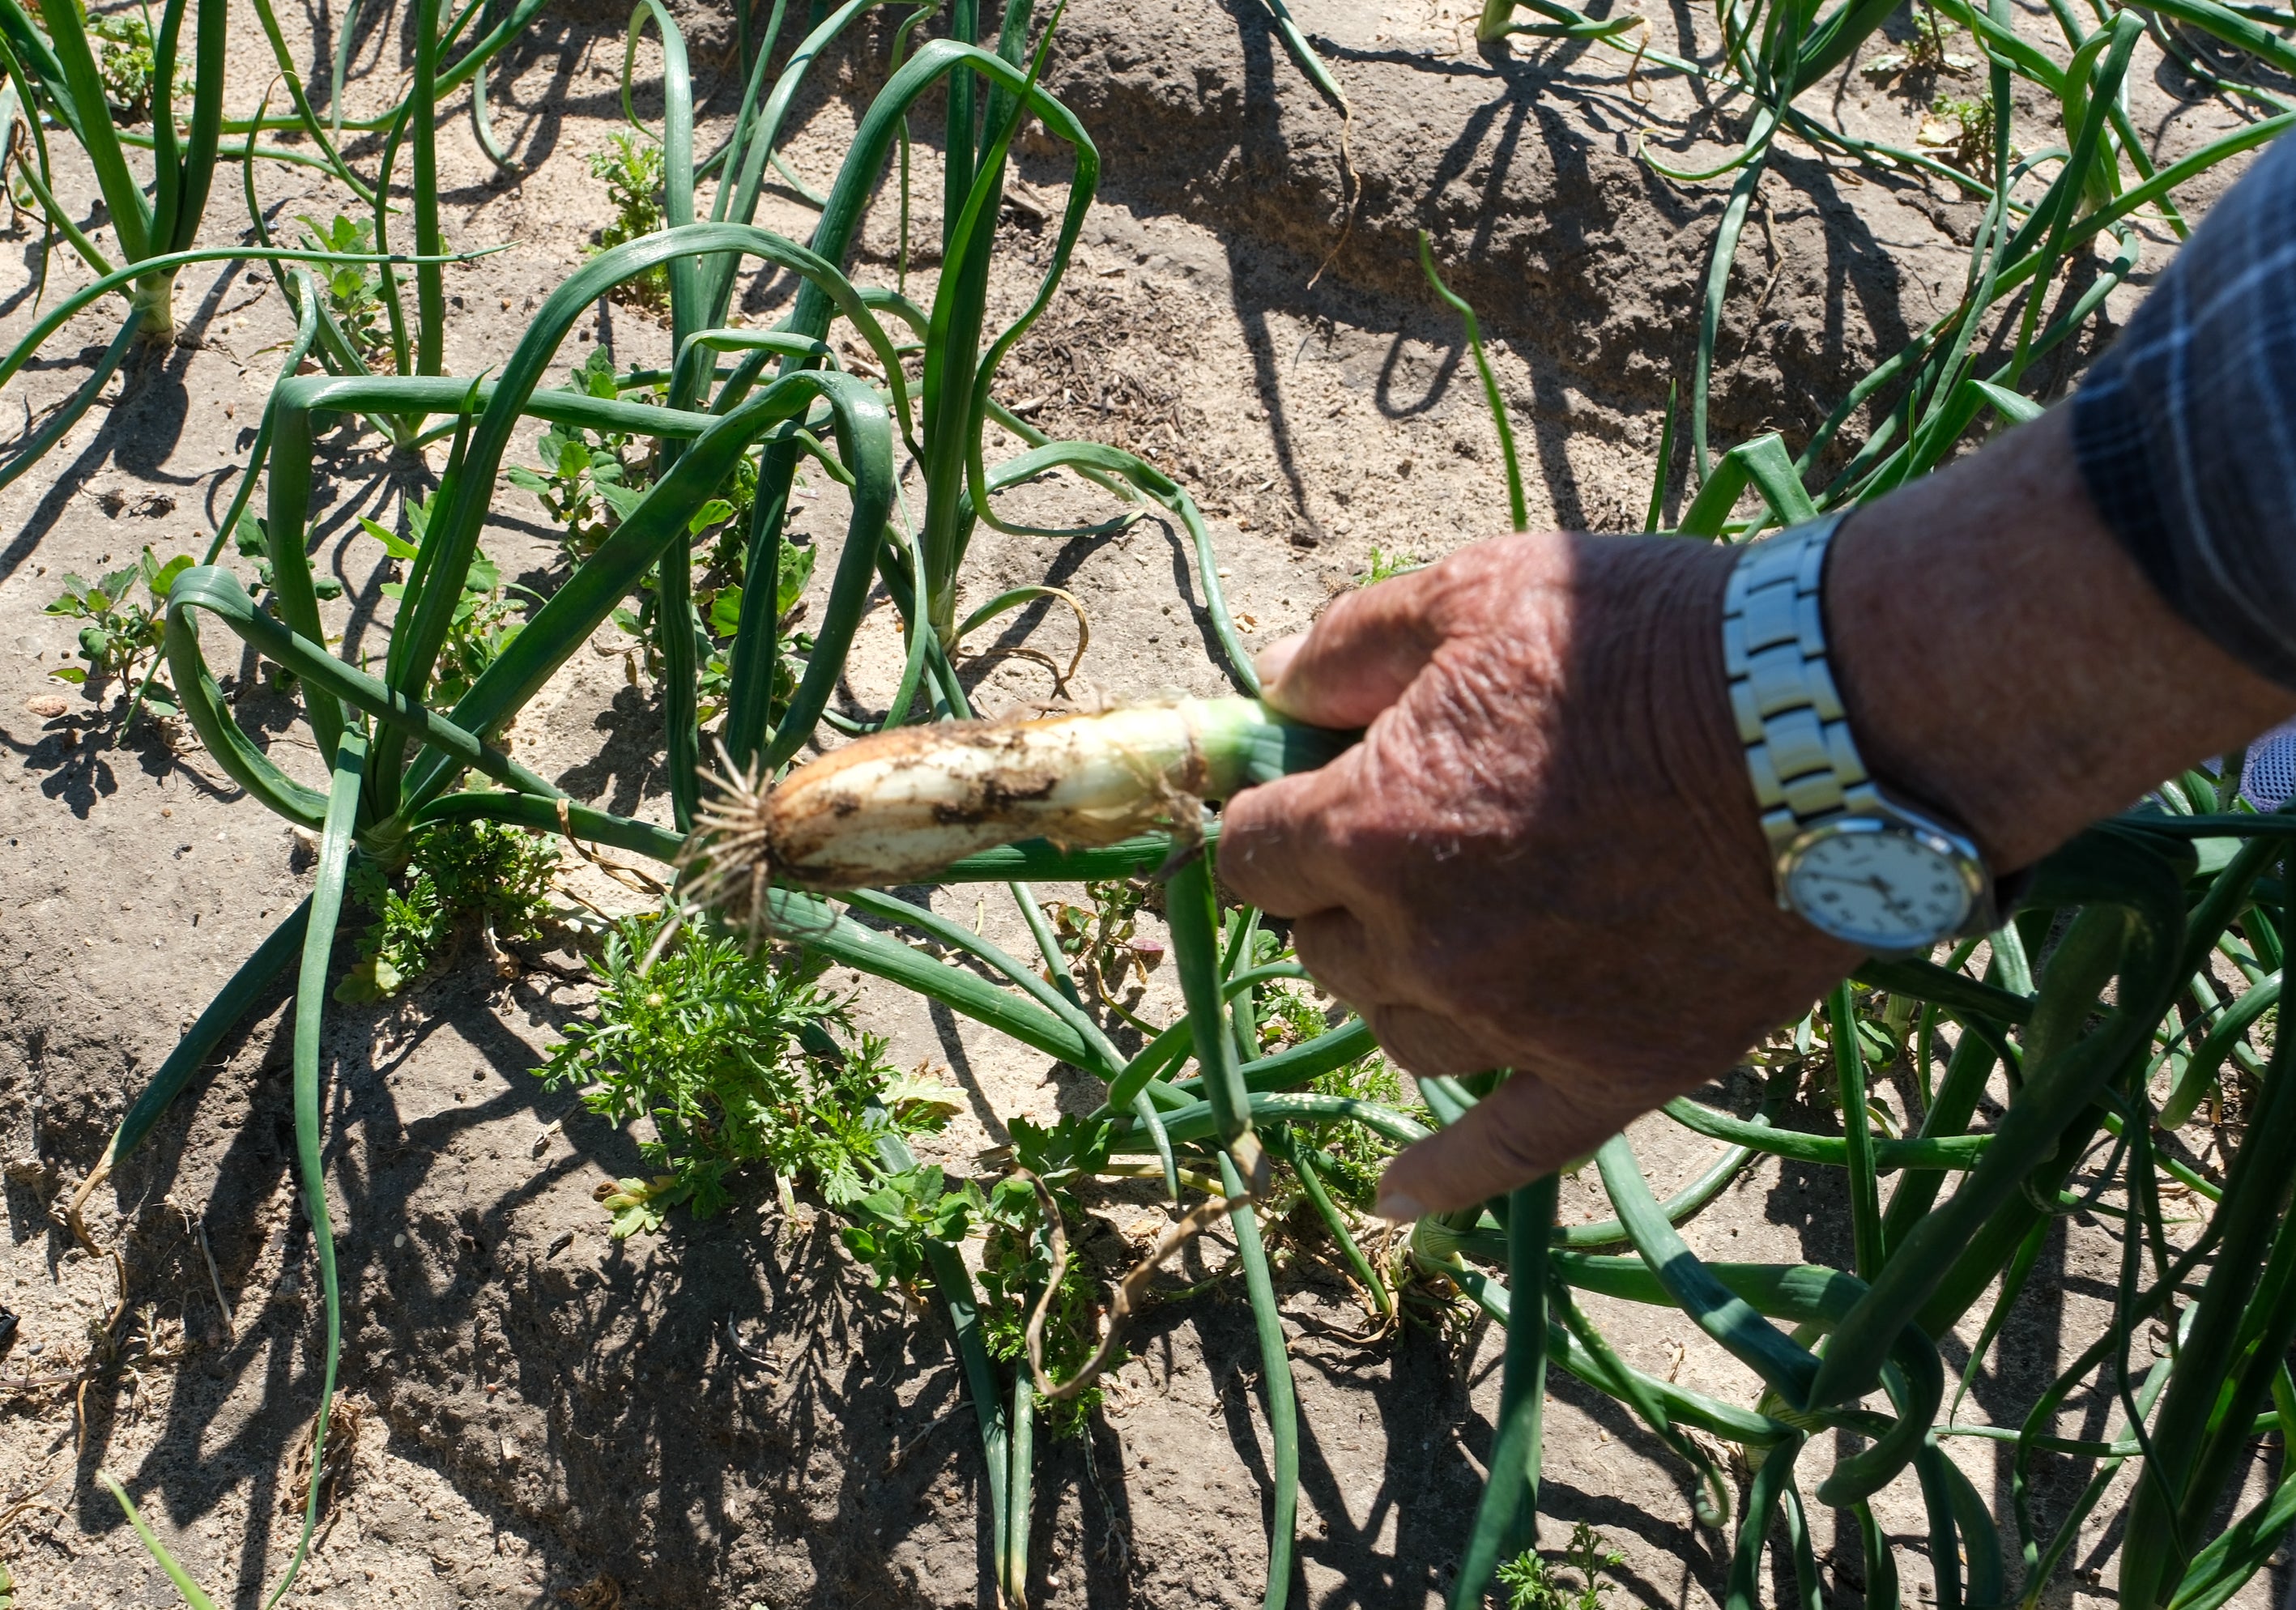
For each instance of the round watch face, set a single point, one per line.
(1879, 885)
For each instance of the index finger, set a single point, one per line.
(1359, 656)
(1528, 1127)
(1274, 850)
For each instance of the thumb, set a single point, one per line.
(1524, 1129)
(1356, 659)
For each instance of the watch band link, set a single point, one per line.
(1804, 766)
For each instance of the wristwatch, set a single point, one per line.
(1853, 862)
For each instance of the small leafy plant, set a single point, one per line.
(1533, 1584)
(589, 479)
(721, 609)
(483, 624)
(1354, 1157)
(458, 875)
(1384, 564)
(1962, 127)
(1016, 1261)
(125, 64)
(1102, 935)
(122, 632)
(733, 1059)
(1929, 51)
(354, 290)
(633, 169)
(893, 1221)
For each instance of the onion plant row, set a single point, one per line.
(2027, 290)
(1204, 1106)
(738, 408)
(54, 59)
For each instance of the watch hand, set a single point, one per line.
(1874, 881)
(1889, 897)
(1879, 885)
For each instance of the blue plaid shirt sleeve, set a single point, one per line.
(2185, 429)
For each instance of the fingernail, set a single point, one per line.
(1399, 1207)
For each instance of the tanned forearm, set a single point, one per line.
(2003, 660)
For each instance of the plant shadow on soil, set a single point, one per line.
(653, 1355)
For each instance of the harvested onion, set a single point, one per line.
(898, 806)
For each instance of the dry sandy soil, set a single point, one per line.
(724, 1414)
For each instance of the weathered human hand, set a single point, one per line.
(1543, 855)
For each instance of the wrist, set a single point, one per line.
(2003, 659)
(1688, 744)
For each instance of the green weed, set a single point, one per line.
(1102, 935)
(1962, 127)
(125, 64)
(484, 623)
(1533, 1584)
(633, 169)
(1348, 1157)
(1929, 52)
(354, 290)
(249, 541)
(1016, 1261)
(459, 875)
(893, 1221)
(1384, 564)
(720, 606)
(589, 479)
(1353, 1157)
(122, 632)
(734, 1059)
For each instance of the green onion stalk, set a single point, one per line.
(52, 85)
